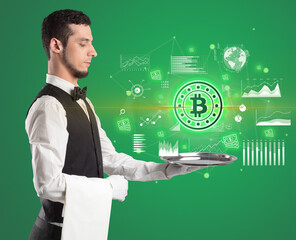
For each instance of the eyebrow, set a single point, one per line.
(84, 40)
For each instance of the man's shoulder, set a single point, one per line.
(46, 103)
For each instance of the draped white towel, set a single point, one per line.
(87, 208)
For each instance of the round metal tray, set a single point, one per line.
(200, 159)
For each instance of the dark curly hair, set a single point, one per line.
(56, 24)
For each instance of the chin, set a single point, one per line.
(80, 74)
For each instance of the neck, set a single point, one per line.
(62, 72)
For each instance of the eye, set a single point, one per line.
(82, 45)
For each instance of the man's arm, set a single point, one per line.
(132, 169)
(46, 126)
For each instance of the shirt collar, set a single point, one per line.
(60, 83)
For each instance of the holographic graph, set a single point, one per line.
(186, 64)
(276, 118)
(264, 153)
(139, 143)
(150, 120)
(166, 149)
(134, 62)
(265, 89)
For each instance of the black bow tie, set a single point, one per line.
(78, 93)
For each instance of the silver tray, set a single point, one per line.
(200, 159)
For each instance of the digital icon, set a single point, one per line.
(160, 134)
(198, 105)
(235, 58)
(155, 75)
(137, 90)
(134, 62)
(269, 133)
(124, 125)
(122, 111)
(231, 141)
(242, 108)
(238, 118)
(166, 149)
(225, 77)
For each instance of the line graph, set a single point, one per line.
(276, 118)
(265, 88)
(135, 62)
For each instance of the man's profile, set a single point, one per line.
(65, 134)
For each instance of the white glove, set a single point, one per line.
(174, 169)
(119, 185)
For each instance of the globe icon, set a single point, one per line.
(234, 58)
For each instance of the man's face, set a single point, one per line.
(79, 51)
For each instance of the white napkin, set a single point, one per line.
(87, 208)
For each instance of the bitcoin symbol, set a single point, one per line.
(198, 105)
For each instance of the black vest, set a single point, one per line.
(80, 157)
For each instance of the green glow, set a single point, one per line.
(259, 67)
(206, 175)
(128, 93)
(191, 50)
(184, 147)
(212, 46)
(265, 70)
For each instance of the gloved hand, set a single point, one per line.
(174, 169)
(119, 185)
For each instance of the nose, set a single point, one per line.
(93, 52)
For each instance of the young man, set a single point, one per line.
(64, 132)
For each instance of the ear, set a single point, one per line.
(56, 45)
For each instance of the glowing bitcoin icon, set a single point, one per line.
(198, 105)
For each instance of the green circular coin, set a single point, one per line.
(198, 105)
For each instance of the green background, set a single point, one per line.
(235, 202)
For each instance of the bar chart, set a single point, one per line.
(264, 152)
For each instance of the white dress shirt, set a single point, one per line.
(46, 126)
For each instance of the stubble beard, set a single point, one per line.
(76, 73)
